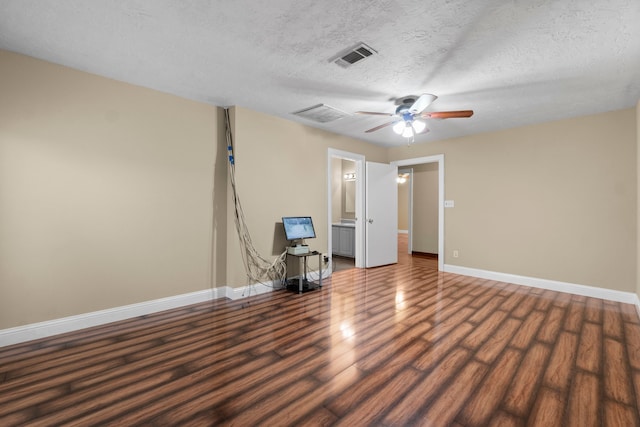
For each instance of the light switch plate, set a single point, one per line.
(448, 204)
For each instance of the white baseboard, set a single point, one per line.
(403, 231)
(571, 288)
(250, 290)
(73, 323)
(48, 328)
(263, 288)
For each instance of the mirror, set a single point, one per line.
(350, 196)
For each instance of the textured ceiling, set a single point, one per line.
(512, 62)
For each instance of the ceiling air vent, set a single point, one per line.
(355, 54)
(321, 113)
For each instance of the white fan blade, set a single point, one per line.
(421, 103)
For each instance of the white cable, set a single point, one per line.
(257, 268)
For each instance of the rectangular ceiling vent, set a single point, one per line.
(321, 113)
(355, 54)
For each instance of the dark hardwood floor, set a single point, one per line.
(390, 346)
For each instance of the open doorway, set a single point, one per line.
(362, 252)
(345, 209)
(434, 165)
(405, 206)
(343, 213)
(423, 202)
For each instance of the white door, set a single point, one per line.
(381, 219)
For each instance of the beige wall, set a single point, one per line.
(105, 192)
(425, 208)
(220, 232)
(112, 194)
(638, 199)
(281, 170)
(555, 200)
(403, 205)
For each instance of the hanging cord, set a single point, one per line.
(258, 269)
(315, 275)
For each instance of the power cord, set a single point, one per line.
(257, 268)
(320, 272)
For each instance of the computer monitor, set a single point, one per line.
(298, 227)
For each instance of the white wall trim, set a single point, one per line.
(266, 287)
(571, 288)
(49, 328)
(250, 290)
(403, 231)
(73, 323)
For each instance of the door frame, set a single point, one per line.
(359, 160)
(438, 158)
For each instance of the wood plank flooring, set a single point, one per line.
(391, 346)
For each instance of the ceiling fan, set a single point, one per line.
(406, 117)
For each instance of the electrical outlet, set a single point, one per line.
(326, 259)
(456, 253)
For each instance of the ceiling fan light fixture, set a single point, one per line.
(418, 126)
(408, 111)
(399, 127)
(408, 131)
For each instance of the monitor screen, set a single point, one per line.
(298, 227)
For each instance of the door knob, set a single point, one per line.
(370, 220)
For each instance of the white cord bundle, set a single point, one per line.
(257, 268)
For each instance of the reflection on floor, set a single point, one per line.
(341, 263)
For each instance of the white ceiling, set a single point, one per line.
(514, 62)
